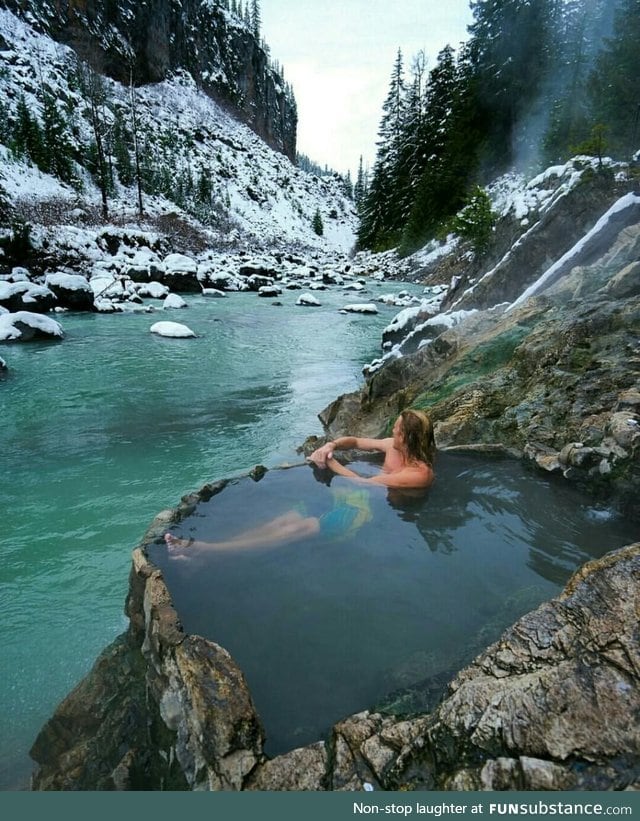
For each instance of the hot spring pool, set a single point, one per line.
(323, 629)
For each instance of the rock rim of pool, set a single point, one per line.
(162, 709)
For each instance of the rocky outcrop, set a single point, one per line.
(151, 40)
(550, 705)
(521, 251)
(554, 379)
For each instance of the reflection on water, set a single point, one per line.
(324, 627)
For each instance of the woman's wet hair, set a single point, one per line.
(417, 433)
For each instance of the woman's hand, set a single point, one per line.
(320, 456)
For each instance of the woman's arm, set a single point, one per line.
(410, 477)
(321, 455)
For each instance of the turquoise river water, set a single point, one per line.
(103, 430)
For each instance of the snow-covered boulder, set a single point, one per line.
(213, 292)
(269, 291)
(143, 265)
(308, 299)
(256, 281)
(174, 301)
(332, 278)
(173, 330)
(107, 306)
(211, 277)
(259, 270)
(72, 291)
(180, 274)
(24, 326)
(21, 296)
(152, 290)
(353, 286)
(360, 308)
(20, 274)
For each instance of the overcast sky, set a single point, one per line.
(338, 55)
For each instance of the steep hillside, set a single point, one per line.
(203, 171)
(147, 42)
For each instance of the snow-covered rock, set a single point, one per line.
(360, 308)
(174, 301)
(24, 326)
(180, 274)
(307, 299)
(213, 292)
(173, 330)
(180, 264)
(20, 296)
(153, 290)
(269, 291)
(72, 291)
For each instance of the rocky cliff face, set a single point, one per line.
(148, 41)
(554, 379)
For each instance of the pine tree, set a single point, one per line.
(449, 141)
(121, 152)
(5, 206)
(57, 151)
(317, 223)
(204, 189)
(27, 140)
(379, 223)
(358, 188)
(614, 82)
(256, 21)
(512, 63)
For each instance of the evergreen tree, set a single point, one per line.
(121, 152)
(4, 123)
(359, 187)
(256, 21)
(27, 139)
(475, 221)
(511, 54)
(614, 82)
(380, 219)
(204, 189)
(580, 31)
(5, 206)
(447, 158)
(317, 223)
(57, 151)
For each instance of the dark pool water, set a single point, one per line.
(323, 629)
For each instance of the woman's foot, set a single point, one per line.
(176, 544)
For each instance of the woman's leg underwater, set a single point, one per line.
(286, 528)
